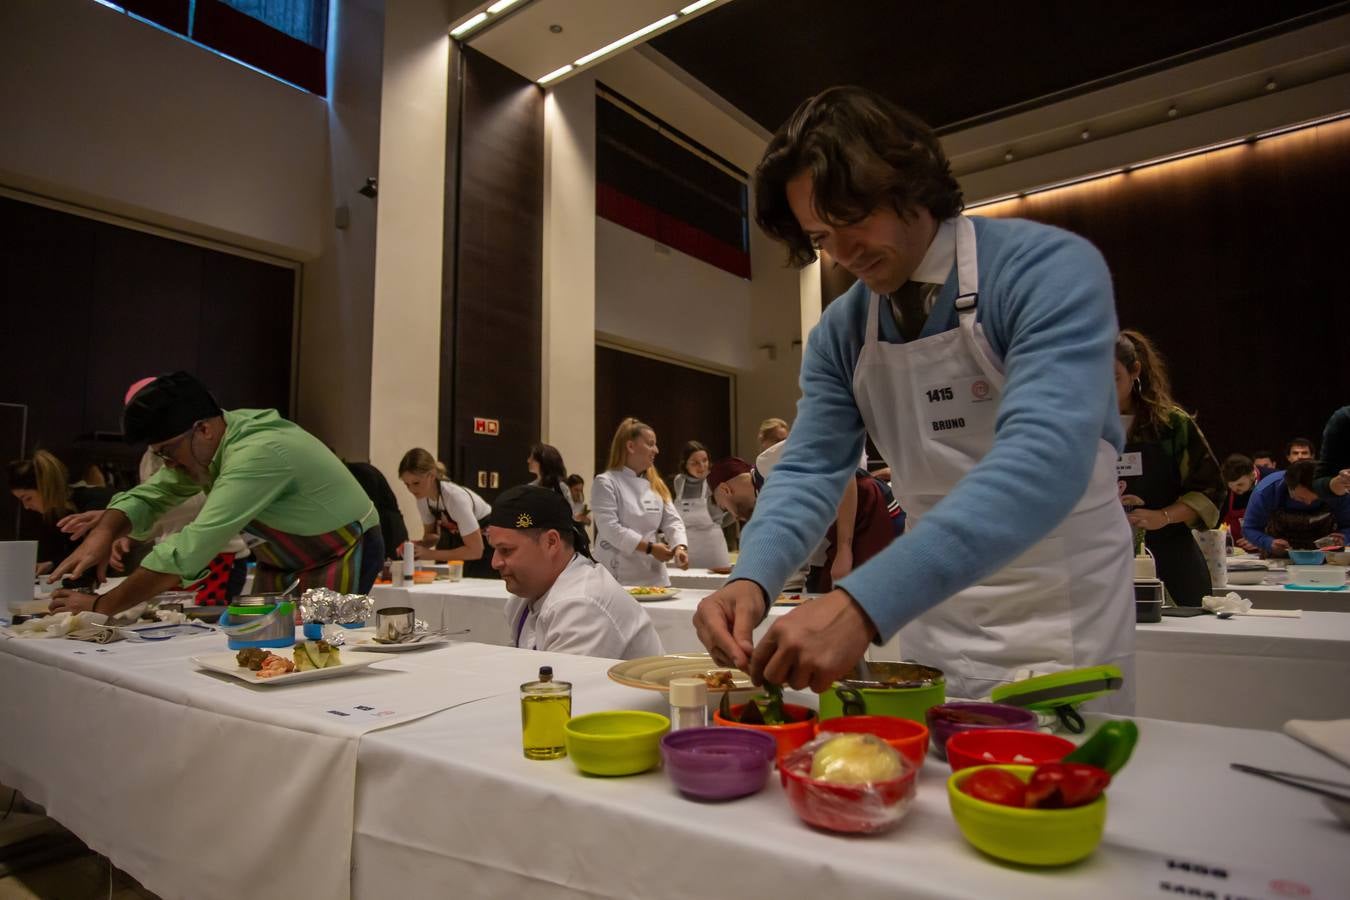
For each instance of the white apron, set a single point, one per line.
(707, 543)
(930, 406)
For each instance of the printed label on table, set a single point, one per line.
(361, 712)
(1129, 465)
(1164, 876)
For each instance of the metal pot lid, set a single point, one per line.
(256, 600)
(896, 676)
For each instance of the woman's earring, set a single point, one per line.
(1138, 388)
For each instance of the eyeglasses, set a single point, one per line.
(165, 451)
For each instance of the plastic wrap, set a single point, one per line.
(863, 807)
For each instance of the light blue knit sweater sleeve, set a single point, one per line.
(1047, 308)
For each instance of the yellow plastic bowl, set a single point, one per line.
(1032, 837)
(624, 742)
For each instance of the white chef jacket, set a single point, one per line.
(626, 512)
(586, 612)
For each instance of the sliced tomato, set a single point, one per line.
(996, 786)
(1065, 785)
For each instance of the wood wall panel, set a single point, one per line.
(1233, 261)
(88, 307)
(492, 367)
(680, 404)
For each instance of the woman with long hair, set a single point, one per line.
(451, 516)
(637, 529)
(546, 465)
(1170, 478)
(42, 486)
(703, 518)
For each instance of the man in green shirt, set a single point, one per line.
(262, 475)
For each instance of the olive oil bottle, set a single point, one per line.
(545, 707)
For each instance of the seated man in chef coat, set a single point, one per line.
(562, 600)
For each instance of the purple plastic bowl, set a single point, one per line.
(718, 763)
(941, 726)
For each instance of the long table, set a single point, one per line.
(202, 787)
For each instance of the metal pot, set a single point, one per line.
(899, 689)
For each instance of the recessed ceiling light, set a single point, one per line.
(469, 25)
(556, 73)
(627, 39)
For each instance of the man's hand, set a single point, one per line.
(726, 620)
(77, 525)
(120, 549)
(1340, 483)
(813, 645)
(1244, 544)
(64, 600)
(682, 557)
(93, 552)
(1279, 548)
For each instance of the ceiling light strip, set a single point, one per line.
(626, 40)
(1174, 157)
(556, 73)
(469, 25)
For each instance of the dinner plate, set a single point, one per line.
(654, 673)
(227, 664)
(657, 593)
(369, 645)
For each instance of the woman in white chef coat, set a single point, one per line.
(636, 526)
(703, 518)
(451, 514)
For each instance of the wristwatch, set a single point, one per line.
(649, 548)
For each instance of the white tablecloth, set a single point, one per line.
(498, 825)
(199, 785)
(1247, 672)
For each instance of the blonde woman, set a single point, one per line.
(637, 529)
(42, 486)
(451, 515)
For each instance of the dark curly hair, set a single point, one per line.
(862, 151)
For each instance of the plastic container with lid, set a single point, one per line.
(688, 703)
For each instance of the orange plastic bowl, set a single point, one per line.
(788, 737)
(908, 737)
(1004, 746)
(848, 808)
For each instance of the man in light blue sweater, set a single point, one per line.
(985, 379)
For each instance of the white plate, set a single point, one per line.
(665, 594)
(226, 664)
(370, 646)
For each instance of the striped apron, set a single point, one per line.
(330, 560)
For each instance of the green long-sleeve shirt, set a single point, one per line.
(266, 468)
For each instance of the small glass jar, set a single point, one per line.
(688, 703)
(545, 707)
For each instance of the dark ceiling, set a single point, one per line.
(954, 62)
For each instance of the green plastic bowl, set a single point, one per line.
(623, 742)
(1032, 837)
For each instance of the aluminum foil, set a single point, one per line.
(328, 607)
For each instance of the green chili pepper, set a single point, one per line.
(1109, 747)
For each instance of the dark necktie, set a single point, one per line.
(908, 305)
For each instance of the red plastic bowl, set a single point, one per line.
(1002, 746)
(908, 737)
(849, 808)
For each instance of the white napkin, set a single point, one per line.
(1331, 736)
(59, 625)
(1229, 603)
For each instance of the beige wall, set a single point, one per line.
(405, 332)
(108, 112)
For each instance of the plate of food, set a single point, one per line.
(307, 661)
(418, 640)
(647, 594)
(654, 673)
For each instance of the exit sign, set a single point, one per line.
(489, 427)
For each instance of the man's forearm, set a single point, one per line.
(139, 586)
(113, 524)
